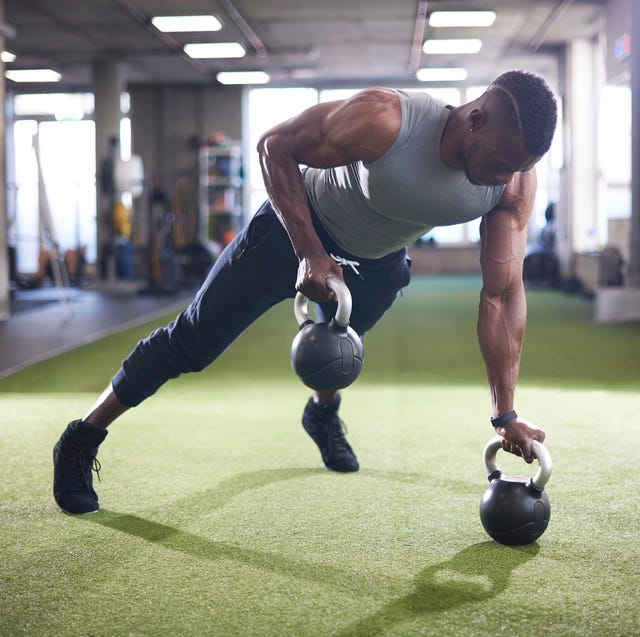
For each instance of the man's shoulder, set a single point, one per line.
(376, 95)
(377, 105)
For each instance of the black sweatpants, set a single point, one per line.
(257, 270)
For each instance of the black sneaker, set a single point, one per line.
(326, 429)
(74, 457)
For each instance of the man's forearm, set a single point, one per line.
(501, 325)
(285, 187)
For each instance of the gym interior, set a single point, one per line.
(129, 162)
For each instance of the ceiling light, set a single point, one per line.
(434, 47)
(184, 23)
(215, 50)
(33, 75)
(462, 18)
(304, 74)
(242, 77)
(442, 75)
(7, 56)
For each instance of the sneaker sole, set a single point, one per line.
(83, 512)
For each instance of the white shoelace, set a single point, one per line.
(346, 262)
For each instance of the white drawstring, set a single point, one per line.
(342, 261)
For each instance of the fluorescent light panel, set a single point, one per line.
(242, 77)
(462, 18)
(215, 50)
(436, 47)
(186, 23)
(7, 56)
(32, 75)
(442, 75)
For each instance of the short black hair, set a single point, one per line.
(536, 105)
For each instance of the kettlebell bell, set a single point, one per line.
(326, 355)
(515, 510)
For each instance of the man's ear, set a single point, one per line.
(475, 119)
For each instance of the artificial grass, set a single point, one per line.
(218, 519)
(429, 336)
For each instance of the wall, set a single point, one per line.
(619, 231)
(618, 36)
(4, 256)
(427, 259)
(170, 122)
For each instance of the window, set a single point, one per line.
(69, 181)
(268, 107)
(615, 150)
(60, 106)
(66, 141)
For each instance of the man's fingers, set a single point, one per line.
(524, 452)
(518, 437)
(509, 447)
(316, 291)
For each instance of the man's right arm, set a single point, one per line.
(502, 311)
(324, 136)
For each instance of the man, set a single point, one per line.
(383, 168)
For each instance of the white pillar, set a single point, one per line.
(633, 274)
(623, 304)
(5, 300)
(583, 84)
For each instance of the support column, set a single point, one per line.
(564, 247)
(108, 85)
(583, 91)
(5, 292)
(623, 304)
(633, 274)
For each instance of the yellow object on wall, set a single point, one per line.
(121, 220)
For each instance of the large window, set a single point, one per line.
(268, 107)
(60, 126)
(615, 150)
(67, 171)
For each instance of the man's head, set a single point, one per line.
(533, 107)
(509, 128)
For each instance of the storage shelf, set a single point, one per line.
(220, 177)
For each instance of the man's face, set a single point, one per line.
(491, 157)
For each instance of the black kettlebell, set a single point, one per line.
(326, 355)
(515, 510)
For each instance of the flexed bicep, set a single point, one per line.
(337, 133)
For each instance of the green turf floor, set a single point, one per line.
(218, 519)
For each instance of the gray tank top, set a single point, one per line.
(371, 210)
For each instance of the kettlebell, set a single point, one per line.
(326, 355)
(515, 510)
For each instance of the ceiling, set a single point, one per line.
(312, 42)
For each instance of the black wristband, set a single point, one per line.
(504, 419)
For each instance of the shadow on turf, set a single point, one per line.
(475, 574)
(205, 549)
(176, 539)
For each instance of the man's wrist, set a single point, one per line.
(504, 419)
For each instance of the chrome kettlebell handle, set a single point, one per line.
(343, 313)
(539, 450)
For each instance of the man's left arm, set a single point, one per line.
(502, 312)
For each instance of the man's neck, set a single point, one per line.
(451, 139)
